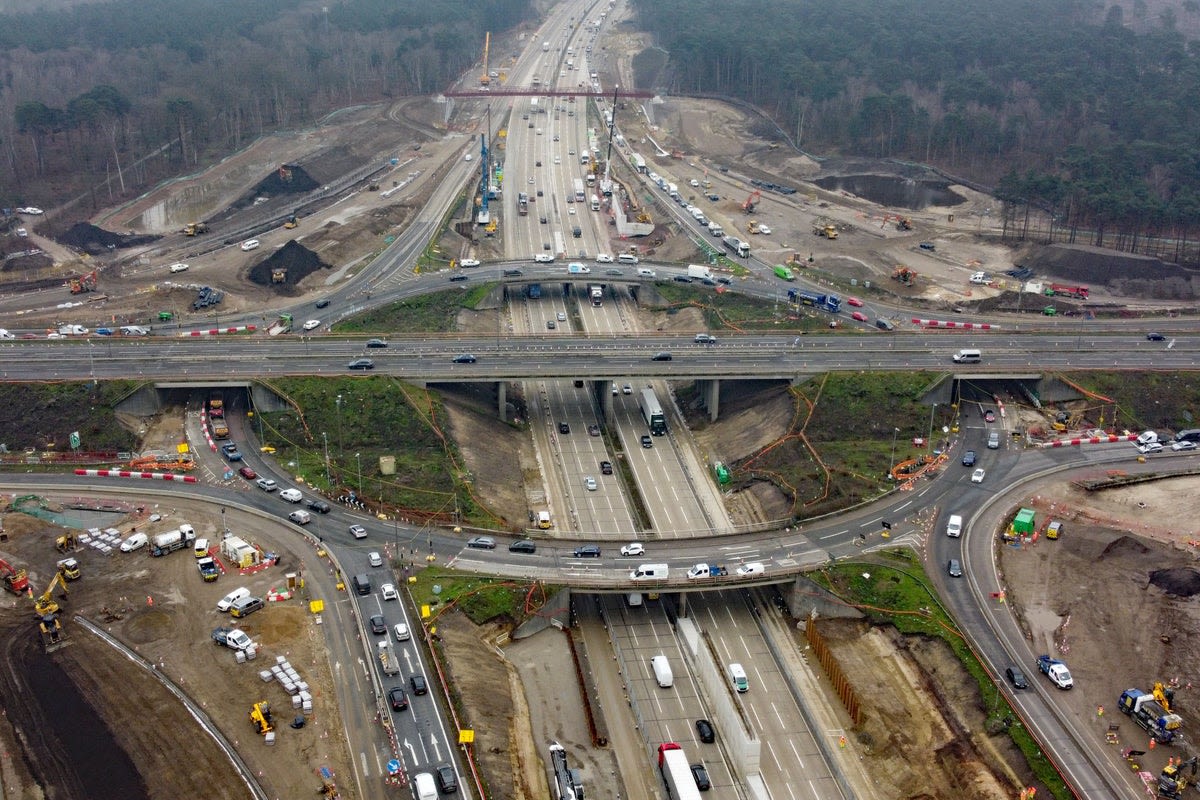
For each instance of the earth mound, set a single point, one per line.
(288, 179)
(286, 267)
(1179, 581)
(94, 241)
(1122, 547)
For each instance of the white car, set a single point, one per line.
(604, 258)
(764, 229)
(753, 568)
(589, 483)
(226, 602)
(1174, 445)
(389, 592)
(374, 559)
(557, 160)
(135, 542)
(358, 531)
(6, 335)
(291, 495)
(22, 232)
(402, 632)
(469, 262)
(31, 211)
(544, 258)
(627, 389)
(179, 267)
(694, 182)
(977, 475)
(312, 324)
(633, 549)
(250, 244)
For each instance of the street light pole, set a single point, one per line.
(358, 458)
(895, 433)
(930, 439)
(341, 445)
(325, 437)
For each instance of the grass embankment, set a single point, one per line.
(898, 593)
(429, 313)
(1155, 400)
(42, 416)
(481, 598)
(734, 312)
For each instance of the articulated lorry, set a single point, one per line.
(736, 246)
(169, 542)
(676, 772)
(1150, 715)
(827, 302)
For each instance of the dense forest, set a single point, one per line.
(130, 92)
(1066, 105)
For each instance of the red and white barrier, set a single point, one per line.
(126, 473)
(1091, 440)
(962, 326)
(207, 433)
(218, 331)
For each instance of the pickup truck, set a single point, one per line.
(706, 571)
(208, 569)
(232, 638)
(1056, 671)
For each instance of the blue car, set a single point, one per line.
(104, 331)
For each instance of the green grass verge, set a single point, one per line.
(481, 598)
(1154, 400)
(42, 416)
(731, 311)
(430, 313)
(898, 593)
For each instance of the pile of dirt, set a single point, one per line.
(1122, 273)
(95, 241)
(286, 268)
(288, 179)
(1179, 581)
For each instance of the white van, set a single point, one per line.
(627, 258)
(967, 357)
(662, 671)
(650, 572)
(226, 602)
(737, 676)
(426, 789)
(645, 273)
(300, 517)
(634, 599)
(543, 519)
(201, 548)
(954, 526)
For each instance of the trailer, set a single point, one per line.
(676, 772)
(826, 302)
(1062, 290)
(597, 295)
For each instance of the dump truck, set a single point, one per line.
(1163, 726)
(828, 231)
(220, 430)
(387, 658)
(195, 228)
(208, 569)
(1056, 671)
(706, 571)
(232, 638)
(169, 542)
(281, 325)
(1062, 290)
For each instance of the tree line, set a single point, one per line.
(127, 93)
(1072, 111)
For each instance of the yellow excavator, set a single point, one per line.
(260, 715)
(44, 604)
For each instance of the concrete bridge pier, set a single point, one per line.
(502, 399)
(710, 394)
(602, 389)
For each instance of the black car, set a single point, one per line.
(968, 459)
(376, 343)
(700, 775)
(378, 626)
(663, 356)
(523, 546)
(418, 684)
(705, 729)
(457, 278)
(647, 442)
(447, 780)
(682, 279)
(361, 363)
(564, 428)
(512, 273)
(606, 468)
(1155, 337)
(588, 551)
(322, 303)
(320, 506)
(1016, 678)
(954, 568)
(465, 358)
(550, 325)
(481, 543)
(398, 698)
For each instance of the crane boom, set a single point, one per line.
(485, 79)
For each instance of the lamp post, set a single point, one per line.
(325, 437)
(930, 439)
(895, 433)
(358, 458)
(339, 415)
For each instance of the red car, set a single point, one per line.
(858, 315)
(247, 473)
(853, 301)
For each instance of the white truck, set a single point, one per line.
(72, 330)
(700, 272)
(701, 571)
(716, 230)
(387, 658)
(232, 638)
(169, 542)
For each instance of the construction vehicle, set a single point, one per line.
(1062, 290)
(903, 224)
(752, 227)
(387, 658)
(84, 283)
(751, 202)
(1163, 695)
(216, 405)
(15, 580)
(281, 325)
(1056, 671)
(69, 567)
(827, 302)
(44, 605)
(163, 543)
(485, 79)
(291, 222)
(1150, 715)
(209, 571)
(67, 543)
(1176, 776)
(195, 228)
(906, 276)
(51, 630)
(828, 230)
(260, 715)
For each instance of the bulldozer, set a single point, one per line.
(195, 228)
(904, 224)
(260, 715)
(1176, 776)
(752, 226)
(905, 275)
(279, 275)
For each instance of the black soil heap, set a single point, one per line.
(297, 261)
(94, 241)
(288, 179)
(1179, 581)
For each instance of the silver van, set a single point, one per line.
(626, 258)
(968, 356)
(245, 606)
